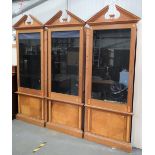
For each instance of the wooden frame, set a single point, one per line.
(106, 122)
(30, 101)
(58, 102)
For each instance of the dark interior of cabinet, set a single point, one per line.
(30, 60)
(14, 95)
(65, 62)
(110, 66)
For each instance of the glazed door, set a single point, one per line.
(65, 80)
(109, 84)
(30, 76)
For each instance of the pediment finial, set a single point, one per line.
(29, 20)
(112, 12)
(65, 17)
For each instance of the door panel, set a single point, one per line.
(65, 62)
(65, 114)
(30, 106)
(110, 65)
(30, 60)
(108, 124)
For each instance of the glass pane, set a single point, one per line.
(29, 60)
(111, 52)
(65, 62)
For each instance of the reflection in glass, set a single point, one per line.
(65, 62)
(29, 60)
(111, 51)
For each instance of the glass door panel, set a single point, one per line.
(110, 67)
(65, 62)
(30, 60)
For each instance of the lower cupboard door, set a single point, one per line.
(31, 109)
(65, 117)
(109, 128)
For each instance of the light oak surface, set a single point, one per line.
(108, 122)
(100, 121)
(30, 101)
(65, 111)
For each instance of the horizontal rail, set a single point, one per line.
(109, 110)
(26, 94)
(67, 102)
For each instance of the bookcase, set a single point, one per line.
(66, 74)
(30, 70)
(78, 79)
(110, 60)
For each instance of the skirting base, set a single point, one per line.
(67, 130)
(108, 142)
(30, 120)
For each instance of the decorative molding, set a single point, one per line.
(125, 17)
(22, 24)
(55, 20)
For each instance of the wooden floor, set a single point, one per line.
(27, 137)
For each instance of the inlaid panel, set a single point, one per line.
(108, 124)
(30, 106)
(65, 114)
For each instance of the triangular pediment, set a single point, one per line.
(125, 17)
(56, 22)
(23, 23)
